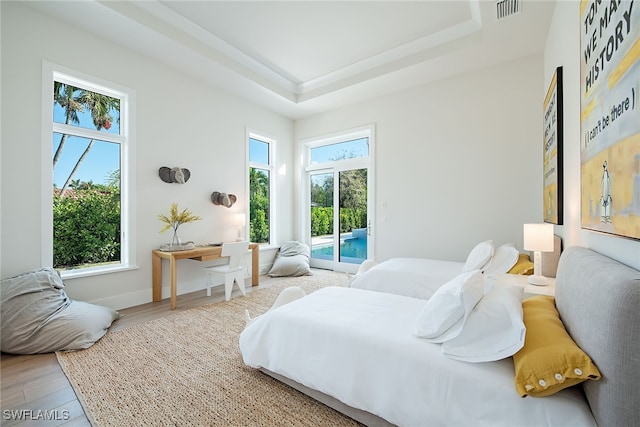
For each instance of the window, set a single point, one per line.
(352, 149)
(89, 157)
(261, 183)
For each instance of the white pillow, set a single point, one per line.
(503, 259)
(494, 330)
(446, 311)
(479, 256)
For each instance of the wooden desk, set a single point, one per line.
(200, 253)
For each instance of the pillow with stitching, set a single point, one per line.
(550, 360)
(504, 258)
(479, 256)
(444, 314)
(494, 329)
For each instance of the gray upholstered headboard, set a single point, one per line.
(599, 303)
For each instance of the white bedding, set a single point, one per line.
(412, 277)
(358, 346)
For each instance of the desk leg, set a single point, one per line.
(255, 266)
(174, 287)
(156, 269)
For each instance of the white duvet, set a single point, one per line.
(358, 346)
(412, 277)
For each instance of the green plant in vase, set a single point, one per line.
(174, 220)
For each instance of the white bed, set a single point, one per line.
(421, 277)
(412, 277)
(378, 365)
(356, 351)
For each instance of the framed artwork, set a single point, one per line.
(610, 117)
(552, 151)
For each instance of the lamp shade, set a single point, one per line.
(538, 237)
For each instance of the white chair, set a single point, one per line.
(233, 271)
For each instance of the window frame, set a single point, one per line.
(250, 134)
(53, 72)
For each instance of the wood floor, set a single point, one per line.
(35, 391)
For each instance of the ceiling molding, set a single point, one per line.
(399, 57)
(454, 38)
(159, 18)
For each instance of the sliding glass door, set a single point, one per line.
(338, 210)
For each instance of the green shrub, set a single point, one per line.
(350, 218)
(86, 228)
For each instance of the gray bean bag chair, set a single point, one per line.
(292, 260)
(38, 317)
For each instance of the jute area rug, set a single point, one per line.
(185, 369)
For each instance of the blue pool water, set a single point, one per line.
(352, 250)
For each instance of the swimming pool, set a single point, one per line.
(352, 250)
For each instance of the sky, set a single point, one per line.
(259, 151)
(348, 149)
(102, 160)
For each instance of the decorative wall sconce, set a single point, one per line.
(223, 199)
(171, 175)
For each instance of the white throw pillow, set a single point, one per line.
(503, 259)
(495, 329)
(445, 313)
(479, 256)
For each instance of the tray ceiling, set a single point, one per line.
(303, 57)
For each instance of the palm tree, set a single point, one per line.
(63, 94)
(100, 107)
(75, 168)
(113, 179)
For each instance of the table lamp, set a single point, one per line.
(240, 220)
(538, 238)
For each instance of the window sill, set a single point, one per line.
(96, 271)
(268, 247)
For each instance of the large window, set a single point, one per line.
(261, 183)
(89, 156)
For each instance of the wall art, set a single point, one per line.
(610, 117)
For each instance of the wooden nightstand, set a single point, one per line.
(529, 289)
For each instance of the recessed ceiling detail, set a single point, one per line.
(303, 57)
(309, 49)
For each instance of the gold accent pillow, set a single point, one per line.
(523, 266)
(550, 360)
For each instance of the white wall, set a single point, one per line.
(180, 122)
(457, 161)
(563, 49)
